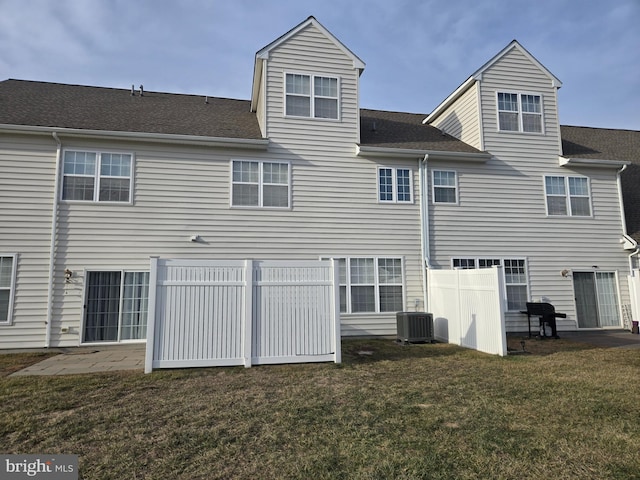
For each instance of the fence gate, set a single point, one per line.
(241, 312)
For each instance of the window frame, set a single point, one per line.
(489, 262)
(377, 283)
(454, 187)
(312, 96)
(260, 183)
(97, 176)
(569, 210)
(520, 112)
(11, 287)
(395, 193)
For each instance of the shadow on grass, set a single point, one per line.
(372, 350)
(525, 345)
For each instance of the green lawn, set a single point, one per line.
(563, 411)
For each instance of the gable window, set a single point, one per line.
(444, 186)
(371, 285)
(260, 184)
(97, 176)
(7, 287)
(394, 185)
(515, 277)
(567, 196)
(311, 96)
(519, 112)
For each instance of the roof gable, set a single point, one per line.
(263, 54)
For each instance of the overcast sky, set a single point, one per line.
(416, 51)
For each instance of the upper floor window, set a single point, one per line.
(568, 196)
(519, 112)
(96, 176)
(311, 96)
(445, 189)
(7, 287)
(260, 184)
(394, 185)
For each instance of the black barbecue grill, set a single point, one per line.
(547, 315)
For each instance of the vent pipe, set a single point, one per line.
(141, 91)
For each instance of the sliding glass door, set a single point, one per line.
(116, 306)
(596, 295)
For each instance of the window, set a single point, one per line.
(117, 306)
(311, 96)
(260, 184)
(519, 112)
(515, 277)
(7, 287)
(394, 185)
(578, 201)
(371, 285)
(96, 176)
(444, 187)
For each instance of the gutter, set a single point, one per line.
(366, 151)
(52, 246)
(249, 143)
(424, 224)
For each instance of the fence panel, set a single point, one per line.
(468, 308)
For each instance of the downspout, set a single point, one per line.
(623, 219)
(52, 246)
(424, 224)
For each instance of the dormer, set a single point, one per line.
(306, 82)
(511, 98)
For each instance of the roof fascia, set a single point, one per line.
(365, 151)
(449, 100)
(245, 143)
(591, 162)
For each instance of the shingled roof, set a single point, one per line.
(611, 144)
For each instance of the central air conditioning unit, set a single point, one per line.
(414, 327)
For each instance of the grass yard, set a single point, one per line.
(563, 411)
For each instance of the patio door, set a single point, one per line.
(116, 306)
(596, 295)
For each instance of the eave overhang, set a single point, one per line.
(365, 151)
(244, 143)
(590, 162)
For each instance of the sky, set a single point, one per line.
(416, 51)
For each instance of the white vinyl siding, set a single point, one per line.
(395, 185)
(7, 287)
(445, 186)
(519, 112)
(260, 184)
(567, 196)
(515, 277)
(312, 96)
(97, 176)
(461, 119)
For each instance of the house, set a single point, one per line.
(95, 181)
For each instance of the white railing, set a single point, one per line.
(468, 308)
(241, 312)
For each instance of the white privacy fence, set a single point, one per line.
(241, 312)
(468, 308)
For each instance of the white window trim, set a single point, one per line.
(85, 294)
(311, 96)
(567, 196)
(377, 285)
(434, 186)
(394, 192)
(260, 184)
(12, 287)
(96, 176)
(520, 112)
(476, 266)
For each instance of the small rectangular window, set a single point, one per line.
(97, 176)
(519, 112)
(395, 185)
(7, 287)
(567, 196)
(444, 186)
(311, 96)
(260, 184)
